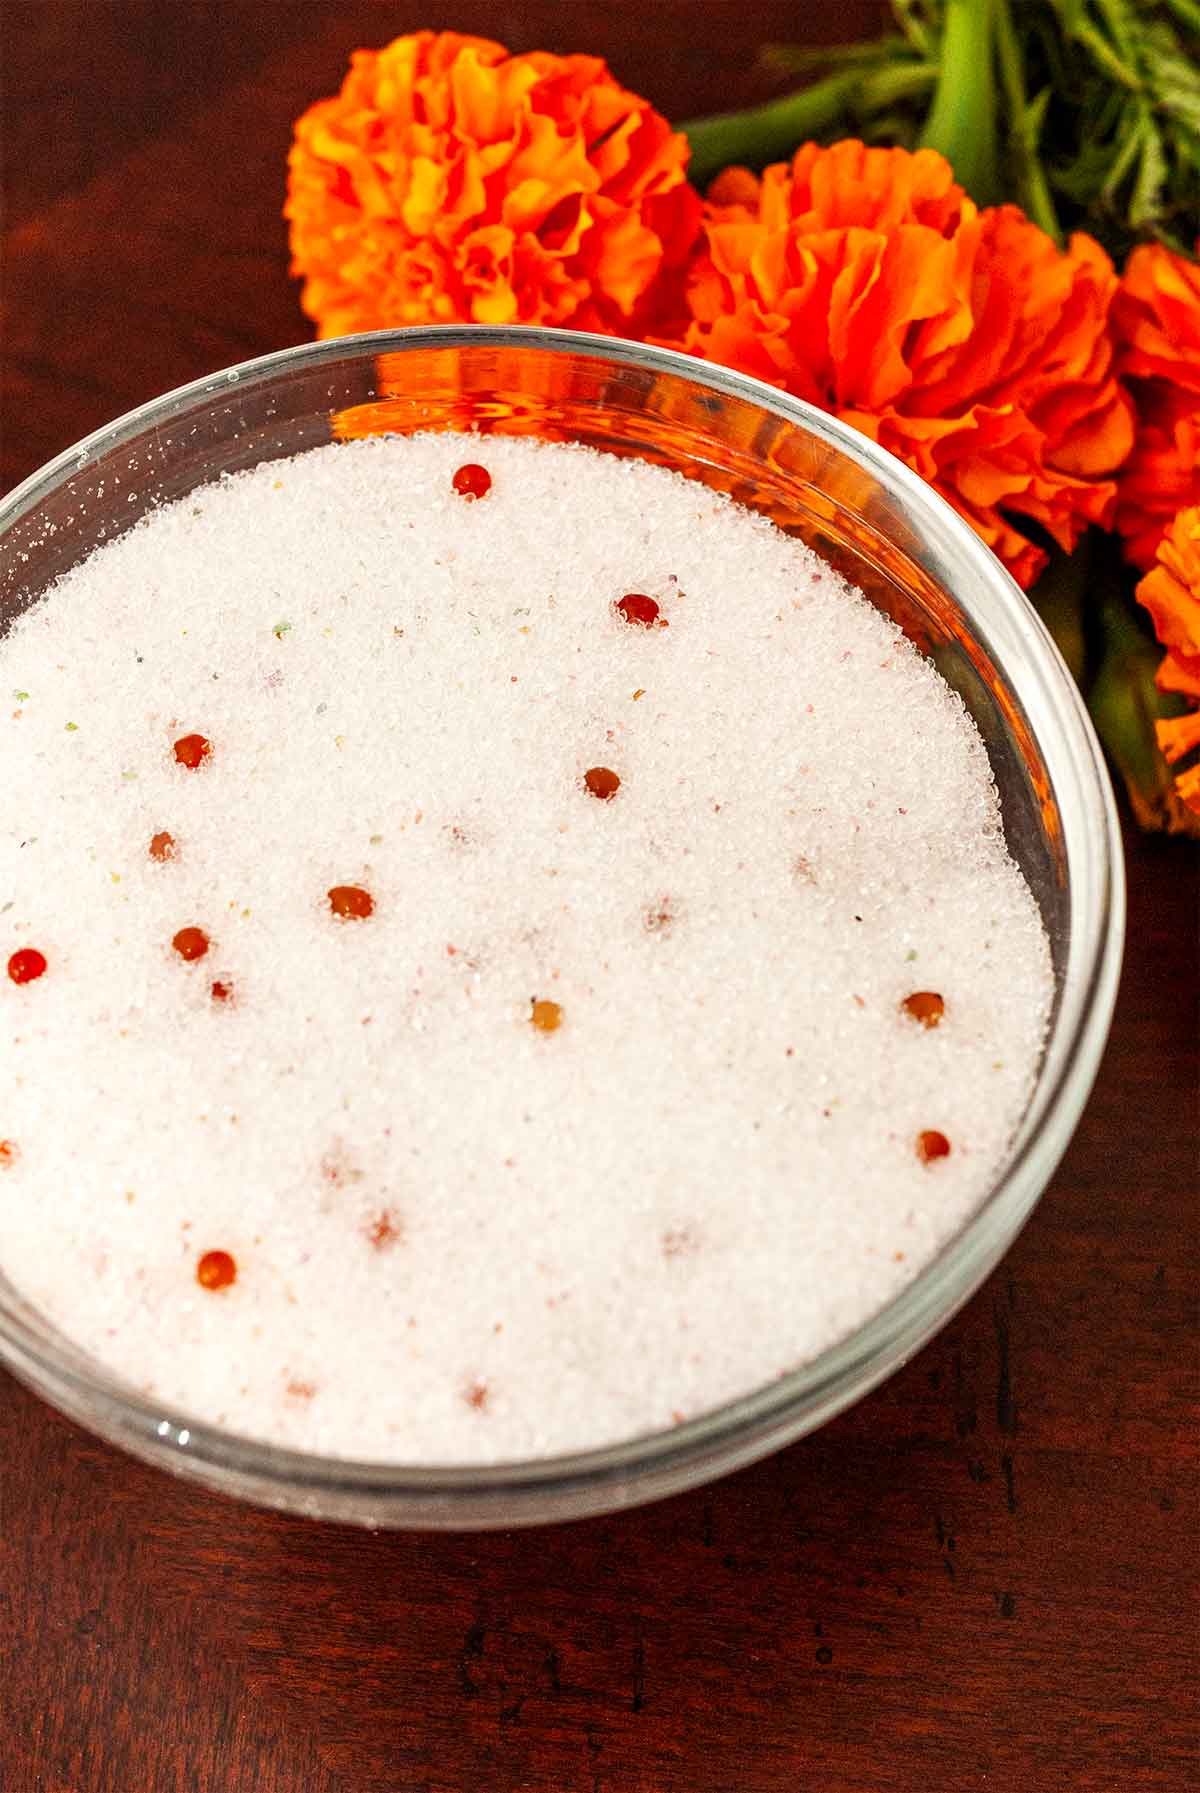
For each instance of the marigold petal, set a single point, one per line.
(1188, 789)
(622, 255)
(640, 157)
(560, 163)
(1170, 591)
(424, 199)
(1162, 475)
(912, 277)
(1178, 735)
(1187, 784)
(1180, 674)
(1093, 431)
(736, 188)
(484, 99)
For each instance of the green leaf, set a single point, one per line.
(1124, 702)
(1058, 597)
(1146, 200)
(1132, 135)
(1121, 18)
(1187, 12)
(1172, 79)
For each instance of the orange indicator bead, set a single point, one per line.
(472, 481)
(26, 964)
(9, 1153)
(384, 1231)
(640, 610)
(931, 1144)
(162, 846)
(190, 943)
(544, 1015)
(602, 783)
(660, 917)
(216, 1270)
(925, 1006)
(222, 992)
(350, 903)
(192, 750)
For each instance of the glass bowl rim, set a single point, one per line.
(752, 1424)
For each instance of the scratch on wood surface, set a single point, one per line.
(472, 1651)
(1006, 1406)
(639, 1676)
(1006, 1470)
(966, 1414)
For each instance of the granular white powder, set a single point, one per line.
(457, 1237)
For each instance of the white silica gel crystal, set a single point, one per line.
(459, 1236)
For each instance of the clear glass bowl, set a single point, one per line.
(891, 535)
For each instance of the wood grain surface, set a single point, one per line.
(983, 1577)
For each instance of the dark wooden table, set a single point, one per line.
(982, 1577)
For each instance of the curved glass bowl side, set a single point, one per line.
(889, 534)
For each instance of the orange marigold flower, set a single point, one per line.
(1171, 593)
(451, 181)
(867, 282)
(1156, 315)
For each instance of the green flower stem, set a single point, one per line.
(1124, 702)
(1024, 124)
(769, 133)
(911, 24)
(1101, 51)
(773, 132)
(1187, 12)
(962, 119)
(1058, 598)
(892, 86)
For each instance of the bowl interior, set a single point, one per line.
(808, 485)
(860, 510)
